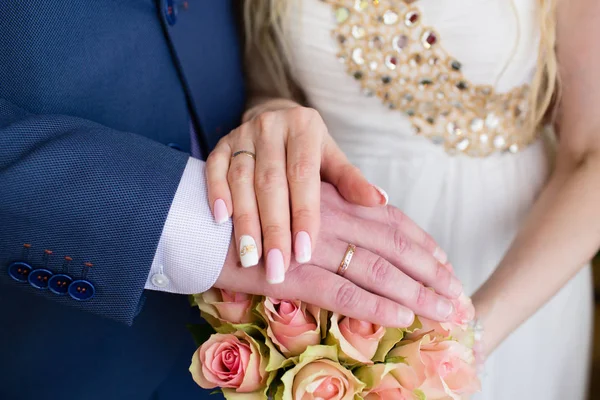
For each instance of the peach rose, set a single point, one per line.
(389, 382)
(358, 340)
(292, 325)
(230, 361)
(319, 376)
(225, 306)
(447, 368)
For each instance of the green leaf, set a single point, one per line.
(279, 393)
(415, 326)
(396, 360)
(390, 339)
(231, 394)
(420, 395)
(217, 391)
(200, 332)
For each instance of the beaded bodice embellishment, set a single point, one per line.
(394, 56)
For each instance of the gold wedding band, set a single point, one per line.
(346, 261)
(246, 152)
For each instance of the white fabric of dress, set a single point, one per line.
(473, 206)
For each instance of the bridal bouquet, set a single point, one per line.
(264, 348)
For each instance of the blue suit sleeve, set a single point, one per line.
(87, 192)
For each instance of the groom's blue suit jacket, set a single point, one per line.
(97, 99)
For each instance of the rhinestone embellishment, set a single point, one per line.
(393, 55)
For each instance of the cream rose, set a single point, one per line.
(319, 376)
(225, 306)
(358, 340)
(230, 361)
(389, 382)
(291, 325)
(447, 368)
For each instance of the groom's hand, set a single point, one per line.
(382, 284)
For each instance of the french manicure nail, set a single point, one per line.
(440, 255)
(455, 288)
(383, 194)
(220, 210)
(444, 308)
(248, 251)
(275, 267)
(302, 247)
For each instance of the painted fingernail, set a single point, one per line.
(275, 267)
(248, 251)
(440, 255)
(302, 247)
(384, 196)
(456, 288)
(220, 210)
(444, 308)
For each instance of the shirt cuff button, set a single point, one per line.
(159, 280)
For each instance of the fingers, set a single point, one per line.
(335, 293)
(272, 195)
(349, 181)
(303, 166)
(375, 274)
(245, 210)
(399, 249)
(219, 195)
(395, 218)
(316, 285)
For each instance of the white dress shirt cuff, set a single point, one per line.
(192, 248)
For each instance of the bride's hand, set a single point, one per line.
(292, 149)
(271, 167)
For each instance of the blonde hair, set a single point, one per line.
(265, 38)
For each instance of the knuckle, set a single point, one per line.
(302, 170)
(240, 173)
(378, 271)
(400, 242)
(378, 311)
(272, 231)
(346, 296)
(270, 178)
(303, 214)
(266, 121)
(421, 295)
(243, 221)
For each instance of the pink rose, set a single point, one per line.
(319, 376)
(229, 361)
(464, 312)
(226, 306)
(358, 340)
(292, 325)
(447, 368)
(457, 327)
(389, 382)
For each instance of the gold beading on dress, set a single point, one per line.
(394, 56)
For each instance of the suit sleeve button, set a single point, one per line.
(19, 271)
(81, 290)
(38, 278)
(59, 284)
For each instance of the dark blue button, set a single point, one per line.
(38, 278)
(171, 11)
(175, 146)
(81, 290)
(19, 271)
(59, 284)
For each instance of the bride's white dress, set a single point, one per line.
(427, 99)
